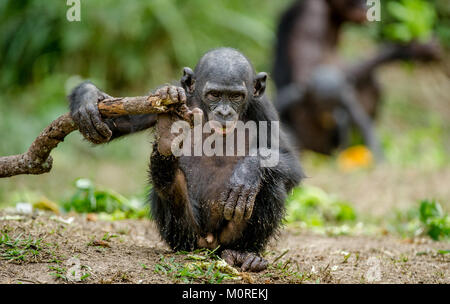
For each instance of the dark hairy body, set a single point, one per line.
(319, 97)
(207, 201)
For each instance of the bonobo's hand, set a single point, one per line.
(85, 114)
(239, 197)
(165, 120)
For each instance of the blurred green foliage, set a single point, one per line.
(436, 222)
(428, 218)
(406, 20)
(414, 19)
(127, 44)
(124, 47)
(110, 204)
(314, 207)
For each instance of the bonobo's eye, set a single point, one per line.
(213, 96)
(236, 97)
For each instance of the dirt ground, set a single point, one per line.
(128, 251)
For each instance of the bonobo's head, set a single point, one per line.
(222, 85)
(350, 10)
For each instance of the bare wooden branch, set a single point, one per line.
(37, 159)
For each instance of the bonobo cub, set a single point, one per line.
(230, 200)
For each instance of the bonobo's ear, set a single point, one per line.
(260, 84)
(188, 81)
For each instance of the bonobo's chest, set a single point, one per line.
(206, 176)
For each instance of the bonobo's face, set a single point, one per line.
(223, 84)
(350, 10)
(225, 103)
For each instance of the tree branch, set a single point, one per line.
(37, 159)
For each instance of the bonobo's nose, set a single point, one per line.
(224, 112)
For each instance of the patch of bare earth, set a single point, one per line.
(127, 252)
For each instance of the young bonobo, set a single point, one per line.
(319, 98)
(207, 201)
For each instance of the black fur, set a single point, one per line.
(181, 227)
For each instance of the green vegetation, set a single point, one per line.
(205, 266)
(314, 207)
(110, 204)
(428, 218)
(58, 272)
(414, 19)
(406, 20)
(20, 249)
(435, 221)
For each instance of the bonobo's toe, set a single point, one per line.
(248, 261)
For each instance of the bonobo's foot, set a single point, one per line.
(248, 261)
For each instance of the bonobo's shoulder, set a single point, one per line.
(262, 109)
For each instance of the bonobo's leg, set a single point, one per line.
(247, 261)
(361, 119)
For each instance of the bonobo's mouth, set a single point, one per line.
(222, 128)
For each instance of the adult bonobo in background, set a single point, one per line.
(319, 98)
(206, 201)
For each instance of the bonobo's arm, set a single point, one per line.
(389, 53)
(84, 111)
(167, 178)
(289, 95)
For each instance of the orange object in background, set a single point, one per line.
(354, 158)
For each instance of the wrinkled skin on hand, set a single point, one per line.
(85, 114)
(239, 197)
(247, 261)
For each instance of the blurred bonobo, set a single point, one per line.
(207, 201)
(319, 98)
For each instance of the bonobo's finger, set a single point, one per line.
(231, 203)
(181, 94)
(91, 133)
(173, 93)
(162, 92)
(229, 256)
(240, 207)
(101, 127)
(77, 119)
(255, 263)
(224, 196)
(248, 261)
(250, 203)
(259, 264)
